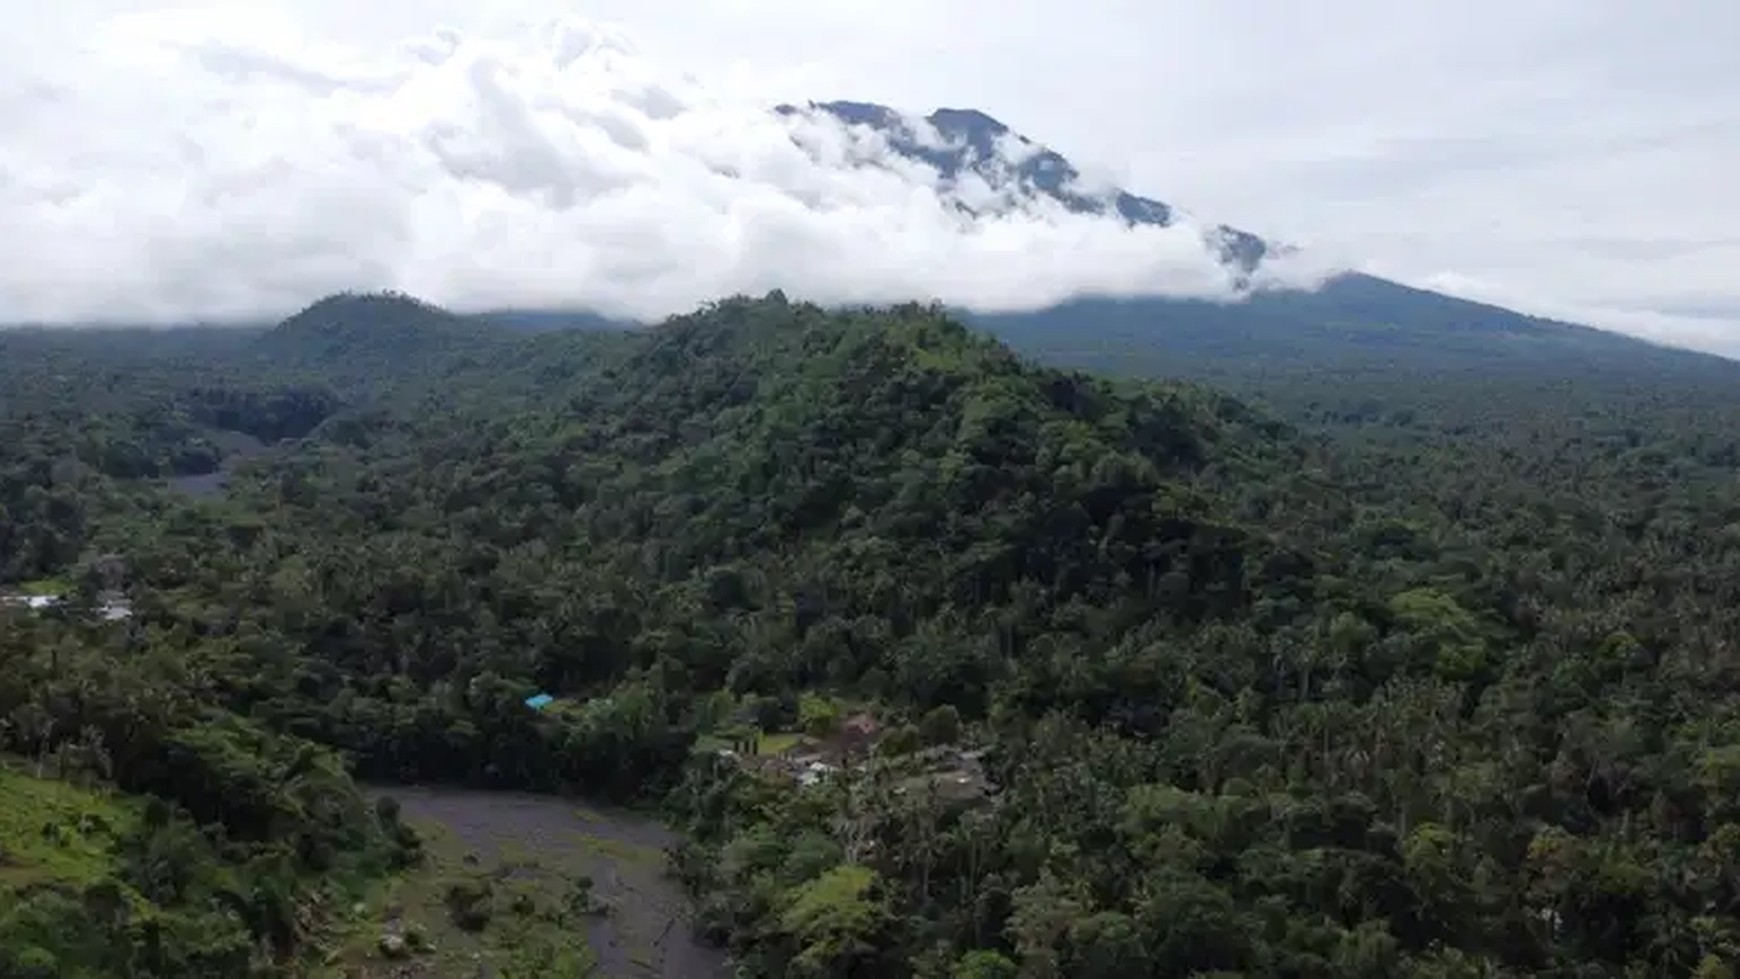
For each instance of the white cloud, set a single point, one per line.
(223, 163)
(1567, 155)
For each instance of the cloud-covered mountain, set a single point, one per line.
(186, 167)
(1341, 321)
(200, 168)
(985, 168)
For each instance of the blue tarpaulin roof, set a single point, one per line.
(539, 702)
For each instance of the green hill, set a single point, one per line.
(1115, 677)
(368, 335)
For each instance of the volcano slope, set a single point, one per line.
(1160, 686)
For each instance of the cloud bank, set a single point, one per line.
(203, 165)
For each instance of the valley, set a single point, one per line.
(877, 647)
(492, 493)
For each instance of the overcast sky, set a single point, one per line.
(1578, 158)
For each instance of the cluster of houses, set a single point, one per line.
(955, 775)
(110, 603)
(111, 607)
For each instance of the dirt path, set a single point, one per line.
(648, 934)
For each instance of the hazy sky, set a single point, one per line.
(1579, 159)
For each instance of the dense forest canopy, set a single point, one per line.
(949, 663)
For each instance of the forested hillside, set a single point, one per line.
(949, 664)
(1354, 325)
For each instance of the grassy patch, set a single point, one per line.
(52, 831)
(57, 849)
(767, 746)
(45, 587)
(778, 743)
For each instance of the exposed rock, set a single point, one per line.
(394, 946)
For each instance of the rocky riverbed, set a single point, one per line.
(646, 931)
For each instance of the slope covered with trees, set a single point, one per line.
(147, 831)
(1353, 326)
(1416, 683)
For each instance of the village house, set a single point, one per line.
(957, 777)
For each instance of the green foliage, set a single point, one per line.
(983, 964)
(1432, 680)
(470, 902)
(835, 921)
(941, 725)
(52, 831)
(535, 956)
(95, 885)
(819, 716)
(1448, 632)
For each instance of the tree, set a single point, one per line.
(941, 725)
(835, 921)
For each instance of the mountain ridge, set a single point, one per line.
(1351, 319)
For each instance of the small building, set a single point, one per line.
(110, 606)
(955, 777)
(814, 771)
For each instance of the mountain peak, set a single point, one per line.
(358, 328)
(339, 306)
(966, 120)
(989, 168)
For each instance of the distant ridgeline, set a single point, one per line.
(1355, 323)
